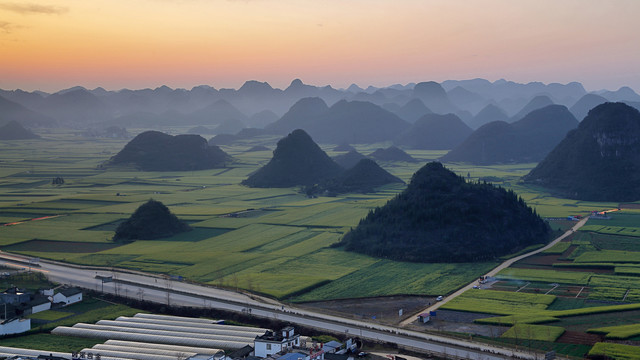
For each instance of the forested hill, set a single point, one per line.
(157, 151)
(297, 160)
(442, 218)
(599, 161)
(152, 220)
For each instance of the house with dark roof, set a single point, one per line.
(14, 296)
(67, 296)
(276, 342)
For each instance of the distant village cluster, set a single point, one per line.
(17, 304)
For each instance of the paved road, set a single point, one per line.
(495, 271)
(155, 288)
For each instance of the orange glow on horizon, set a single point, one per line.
(183, 43)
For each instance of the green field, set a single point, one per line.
(534, 332)
(278, 242)
(615, 351)
(272, 241)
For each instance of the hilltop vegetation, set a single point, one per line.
(157, 151)
(297, 160)
(152, 220)
(442, 218)
(599, 161)
(362, 177)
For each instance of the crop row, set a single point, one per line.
(618, 332)
(534, 317)
(551, 276)
(609, 256)
(534, 332)
(615, 351)
(499, 302)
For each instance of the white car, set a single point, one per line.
(439, 298)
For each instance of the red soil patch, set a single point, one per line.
(579, 337)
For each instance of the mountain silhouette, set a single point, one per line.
(461, 97)
(349, 159)
(391, 153)
(218, 112)
(363, 177)
(623, 94)
(343, 147)
(537, 102)
(527, 140)
(488, 114)
(598, 161)
(297, 160)
(440, 217)
(300, 115)
(14, 131)
(581, 108)
(262, 119)
(356, 122)
(152, 220)
(76, 107)
(434, 132)
(434, 97)
(13, 111)
(157, 151)
(413, 110)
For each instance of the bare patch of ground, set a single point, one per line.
(385, 310)
(378, 309)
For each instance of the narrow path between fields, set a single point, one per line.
(495, 271)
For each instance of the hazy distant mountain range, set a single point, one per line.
(330, 115)
(529, 139)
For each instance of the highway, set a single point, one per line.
(158, 289)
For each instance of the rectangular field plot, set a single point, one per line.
(615, 351)
(386, 277)
(609, 256)
(499, 302)
(549, 276)
(59, 246)
(534, 332)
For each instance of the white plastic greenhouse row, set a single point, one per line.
(179, 318)
(189, 329)
(178, 348)
(176, 339)
(130, 355)
(6, 352)
(244, 339)
(182, 321)
(99, 348)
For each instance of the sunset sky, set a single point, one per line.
(52, 45)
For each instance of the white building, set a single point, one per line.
(39, 303)
(272, 343)
(68, 296)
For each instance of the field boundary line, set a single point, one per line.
(495, 271)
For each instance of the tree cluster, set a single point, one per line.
(598, 161)
(442, 218)
(152, 220)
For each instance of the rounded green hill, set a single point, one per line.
(442, 218)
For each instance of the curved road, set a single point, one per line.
(152, 287)
(496, 270)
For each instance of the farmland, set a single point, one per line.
(278, 242)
